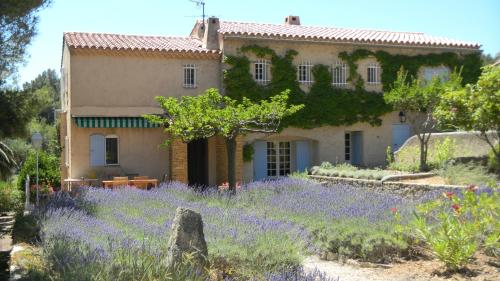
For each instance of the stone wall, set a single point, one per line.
(401, 188)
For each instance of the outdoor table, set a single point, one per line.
(143, 183)
(81, 181)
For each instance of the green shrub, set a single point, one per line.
(465, 174)
(442, 152)
(11, 198)
(48, 170)
(346, 170)
(350, 240)
(454, 227)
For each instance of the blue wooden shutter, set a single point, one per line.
(356, 148)
(259, 160)
(303, 155)
(97, 148)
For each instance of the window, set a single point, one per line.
(304, 73)
(278, 159)
(111, 150)
(339, 72)
(190, 76)
(347, 142)
(430, 72)
(103, 150)
(373, 73)
(261, 72)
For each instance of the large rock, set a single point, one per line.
(187, 238)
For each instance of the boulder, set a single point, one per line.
(187, 238)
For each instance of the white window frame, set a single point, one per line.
(374, 78)
(187, 83)
(347, 147)
(279, 158)
(339, 79)
(304, 73)
(117, 150)
(261, 71)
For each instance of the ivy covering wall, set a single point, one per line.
(325, 104)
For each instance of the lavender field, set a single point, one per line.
(267, 228)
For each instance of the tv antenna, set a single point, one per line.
(202, 4)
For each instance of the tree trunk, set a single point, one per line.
(423, 154)
(231, 164)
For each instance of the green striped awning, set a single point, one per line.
(114, 122)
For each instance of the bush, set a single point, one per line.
(455, 226)
(48, 170)
(11, 198)
(347, 171)
(442, 152)
(466, 174)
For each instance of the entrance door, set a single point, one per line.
(357, 148)
(400, 133)
(198, 162)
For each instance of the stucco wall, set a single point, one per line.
(329, 142)
(126, 85)
(139, 152)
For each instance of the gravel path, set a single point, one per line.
(345, 272)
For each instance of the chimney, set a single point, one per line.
(211, 37)
(292, 20)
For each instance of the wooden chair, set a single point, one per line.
(120, 181)
(141, 178)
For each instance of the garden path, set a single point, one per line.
(346, 272)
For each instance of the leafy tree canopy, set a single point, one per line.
(475, 107)
(209, 114)
(418, 99)
(18, 20)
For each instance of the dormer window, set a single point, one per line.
(339, 72)
(373, 73)
(189, 76)
(261, 71)
(304, 73)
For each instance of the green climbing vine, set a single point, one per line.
(324, 104)
(469, 65)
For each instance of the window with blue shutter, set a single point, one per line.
(260, 160)
(303, 155)
(97, 150)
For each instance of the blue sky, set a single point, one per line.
(470, 20)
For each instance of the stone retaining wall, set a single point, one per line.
(402, 188)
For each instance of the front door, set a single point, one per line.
(400, 133)
(198, 162)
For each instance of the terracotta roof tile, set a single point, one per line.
(339, 34)
(134, 42)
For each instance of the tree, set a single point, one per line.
(210, 114)
(475, 108)
(419, 99)
(7, 161)
(18, 20)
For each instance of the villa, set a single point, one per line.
(109, 82)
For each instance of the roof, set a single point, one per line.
(103, 41)
(348, 35)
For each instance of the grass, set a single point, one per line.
(266, 229)
(348, 171)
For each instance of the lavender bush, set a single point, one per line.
(266, 227)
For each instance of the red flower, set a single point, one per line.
(449, 195)
(394, 210)
(472, 188)
(456, 207)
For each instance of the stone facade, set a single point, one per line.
(179, 161)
